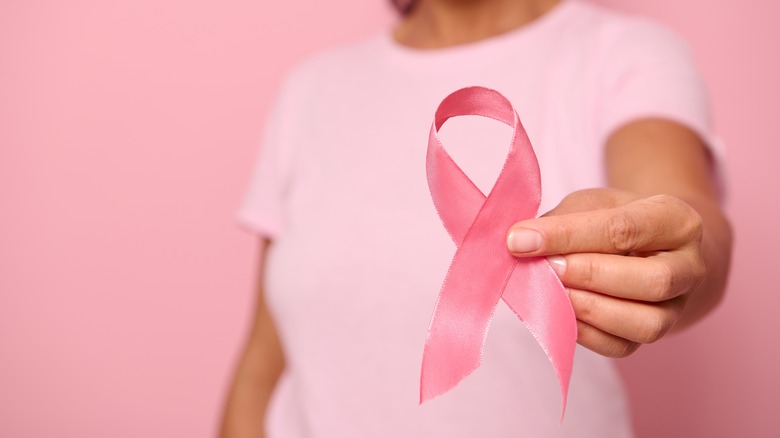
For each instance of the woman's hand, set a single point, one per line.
(630, 263)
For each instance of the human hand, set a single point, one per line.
(629, 263)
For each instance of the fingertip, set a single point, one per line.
(523, 241)
(558, 263)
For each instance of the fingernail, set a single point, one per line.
(524, 240)
(558, 264)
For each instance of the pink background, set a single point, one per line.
(127, 129)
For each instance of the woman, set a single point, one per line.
(354, 253)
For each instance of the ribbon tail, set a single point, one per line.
(444, 365)
(537, 297)
(477, 276)
(459, 326)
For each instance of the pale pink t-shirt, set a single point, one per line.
(359, 254)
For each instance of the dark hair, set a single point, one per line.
(403, 6)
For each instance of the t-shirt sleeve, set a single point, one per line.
(652, 73)
(262, 210)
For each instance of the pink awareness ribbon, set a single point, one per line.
(483, 270)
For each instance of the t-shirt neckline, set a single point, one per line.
(481, 50)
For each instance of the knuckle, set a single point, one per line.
(585, 306)
(671, 203)
(663, 282)
(586, 272)
(697, 270)
(656, 326)
(694, 226)
(664, 199)
(691, 225)
(622, 232)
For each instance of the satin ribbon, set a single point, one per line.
(482, 270)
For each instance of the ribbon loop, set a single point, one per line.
(483, 271)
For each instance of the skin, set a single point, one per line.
(644, 257)
(435, 24)
(258, 370)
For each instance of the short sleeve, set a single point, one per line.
(652, 73)
(262, 210)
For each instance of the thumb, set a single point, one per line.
(591, 199)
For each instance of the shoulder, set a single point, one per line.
(621, 33)
(314, 78)
(333, 63)
(621, 51)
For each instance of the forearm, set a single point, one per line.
(252, 386)
(257, 372)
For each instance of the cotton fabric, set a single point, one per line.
(358, 253)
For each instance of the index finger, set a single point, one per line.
(653, 224)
